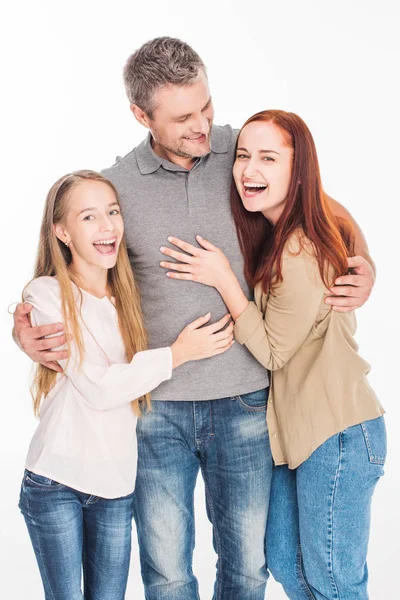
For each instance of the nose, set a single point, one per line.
(250, 170)
(107, 224)
(201, 125)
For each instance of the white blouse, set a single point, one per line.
(86, 437)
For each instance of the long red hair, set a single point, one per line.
(306, 207)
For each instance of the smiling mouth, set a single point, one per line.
(199, 139)
(254, 189)
(106, 247)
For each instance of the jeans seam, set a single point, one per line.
(193, 543)
(251, 408)
(40, 551)
(331, 515)
(373, 458)
(83, 559)
(300, 573)
(217, 540)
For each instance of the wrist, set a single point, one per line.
(226, 282)
(178, 358)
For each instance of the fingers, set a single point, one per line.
(354, 280)
(344, 290)
(341, 301)
(184, 246)
(206, 244)
(52, 356)
(224, 343)
(53, 366)
(342, 309)
(22, 310)
(198, 322)
(176, 266)
(185, 258)
(358, 261)
(52, 342)
(183, 276)
(218, 325)
(224, 334)
(224, 348)
(36, 333)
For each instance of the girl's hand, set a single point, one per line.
(196, 342)
(207, 265)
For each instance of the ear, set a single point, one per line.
(140, 115)
(61, 233)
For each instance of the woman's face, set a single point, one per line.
(93, 225)
(263, 168)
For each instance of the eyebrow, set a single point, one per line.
(260, 151)
(189, 114)
(95, 208)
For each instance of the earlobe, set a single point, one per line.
(61, 234)
(140, 115)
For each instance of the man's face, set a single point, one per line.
(181, 122)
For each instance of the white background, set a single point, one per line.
(63, 107)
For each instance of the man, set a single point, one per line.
(211, 415)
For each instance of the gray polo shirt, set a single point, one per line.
(158, 199)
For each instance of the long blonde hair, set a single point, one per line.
(54, 260)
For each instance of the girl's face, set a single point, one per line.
(263, 168)
(93, 226)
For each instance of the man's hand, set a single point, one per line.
(33, 342)
(352, 291)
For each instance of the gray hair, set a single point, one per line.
(159, 62)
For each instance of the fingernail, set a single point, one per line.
(162, 249)
(162, 264)
(199, 236)
(328, 300)
(170, 239)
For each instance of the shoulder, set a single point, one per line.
(300, 264)
(42, 287)
(223, 138)
(299, 246)
(121, 166)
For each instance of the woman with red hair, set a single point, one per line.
(325, 423)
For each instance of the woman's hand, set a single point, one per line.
(207, 265)
(196, 341)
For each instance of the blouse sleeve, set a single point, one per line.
(291, 310)
(102, 387)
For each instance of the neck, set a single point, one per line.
(186, 162)
(272, 215)
(91, 278)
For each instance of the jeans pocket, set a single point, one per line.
(254, 401)
(375, 439)
(39, 481)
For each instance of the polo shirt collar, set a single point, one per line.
(149, 161)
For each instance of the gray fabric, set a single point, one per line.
(158, 199)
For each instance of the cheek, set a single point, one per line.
(237, 172)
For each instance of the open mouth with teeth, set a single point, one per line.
(107, 246)
(253, 189)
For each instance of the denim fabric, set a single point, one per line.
(319, 518)
(71, 531)
(227, 440)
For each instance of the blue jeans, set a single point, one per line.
(319, 517)
(71, 531)
(227, 440)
